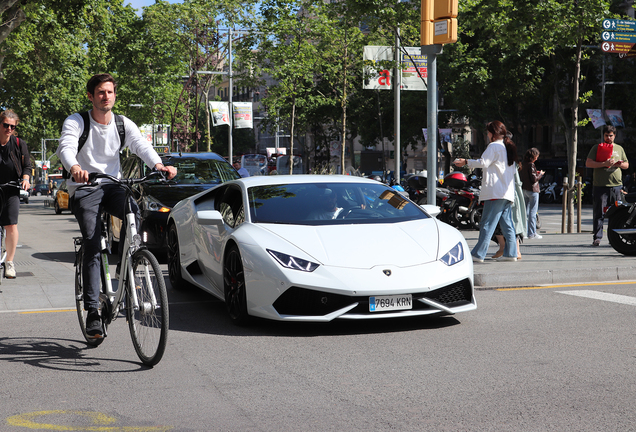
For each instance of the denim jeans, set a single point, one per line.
(602, 197)
(532, 206)
(496, 212)
(88, 205)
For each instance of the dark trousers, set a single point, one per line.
(603, 197)
(88, 203)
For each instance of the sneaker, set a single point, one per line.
(535, 236)
(477, 260)
(93, 324)
(596, 242)
(9, 270)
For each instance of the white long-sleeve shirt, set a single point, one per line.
(100, 152)
(498, 176)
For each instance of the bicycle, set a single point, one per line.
(3, 202)
(141, 293)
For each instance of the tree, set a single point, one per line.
(285, 50)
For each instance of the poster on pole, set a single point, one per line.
(242, 115)
(220, 113)
(378, 70)
(596, 117)
(615, 117)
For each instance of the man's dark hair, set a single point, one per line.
(609, 128)
(97, 80)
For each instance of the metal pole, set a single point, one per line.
(431, 52)
(397, 83)
(230, 150)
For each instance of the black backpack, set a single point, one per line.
(121, 130)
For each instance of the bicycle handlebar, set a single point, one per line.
(92, 177)
(12, 183)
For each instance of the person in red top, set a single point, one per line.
(607, 159)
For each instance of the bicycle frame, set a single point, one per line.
(131, 245)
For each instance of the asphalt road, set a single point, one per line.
(542, 359)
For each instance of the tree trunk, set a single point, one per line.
(573, 144)
(344, 114)
(291, 138)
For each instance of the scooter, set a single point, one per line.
(621, 226)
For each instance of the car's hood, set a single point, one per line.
(361, 246)
(170, 195)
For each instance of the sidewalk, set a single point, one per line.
(554, 259)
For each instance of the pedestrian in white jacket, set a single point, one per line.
(497, 191)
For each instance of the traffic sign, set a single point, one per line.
(618, 37)
(617, 47)
(619, 25)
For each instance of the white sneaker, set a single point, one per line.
(535, 236)
(477, 260)
(9, 270)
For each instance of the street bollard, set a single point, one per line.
(579, 188)
(565, 201)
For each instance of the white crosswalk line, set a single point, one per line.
(597, 295)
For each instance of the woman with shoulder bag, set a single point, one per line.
(15, 165)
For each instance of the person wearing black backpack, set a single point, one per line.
(91, 142)
(15, 165)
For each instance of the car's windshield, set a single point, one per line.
(329, 204)
(202, 171)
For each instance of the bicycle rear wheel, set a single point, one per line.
(148, 323)
(79, 299)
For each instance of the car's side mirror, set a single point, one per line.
(209, 217)
(431, 209)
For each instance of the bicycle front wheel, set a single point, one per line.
(148, 317)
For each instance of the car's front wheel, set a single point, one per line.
(234, 284)
(58, 210)
(174, 261)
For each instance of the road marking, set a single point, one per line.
(597, 295)
(99, 421)
(28, 311)
(566, 286)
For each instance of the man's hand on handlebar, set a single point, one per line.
(170, 170)
(79, 175)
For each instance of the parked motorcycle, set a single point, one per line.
(462, 209)
(621, 226)
(416, 187)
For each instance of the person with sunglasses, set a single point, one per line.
(15, 165)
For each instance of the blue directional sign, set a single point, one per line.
(620, 26)
(618, 37)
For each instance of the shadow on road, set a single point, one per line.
(58, 354)
(66, 257)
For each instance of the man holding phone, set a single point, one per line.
(608, 177)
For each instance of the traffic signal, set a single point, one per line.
(439, 22)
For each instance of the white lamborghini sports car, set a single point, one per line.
(317, 248)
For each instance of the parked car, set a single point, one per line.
(61, 199)
(318, 248)
(24, 196)
(40, 189)
(196, 172)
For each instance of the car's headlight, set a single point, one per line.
(293, 263)
(453, 256)
(154, 205)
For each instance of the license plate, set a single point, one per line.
(389, 303)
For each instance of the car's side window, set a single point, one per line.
(231, 207)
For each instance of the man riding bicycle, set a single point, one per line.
(99, 153)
